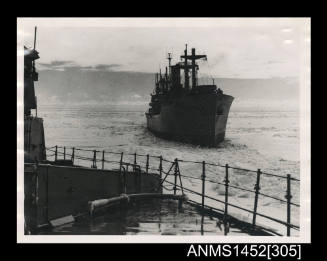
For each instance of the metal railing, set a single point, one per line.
(173, 169)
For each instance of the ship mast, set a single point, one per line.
(186, 68)
(193, 69)
(34, 68)
(193, 58)
(34, 48)
(169, 62)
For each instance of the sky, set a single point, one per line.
(236, 48)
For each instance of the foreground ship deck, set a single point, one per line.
(149, 217)
(126, 197)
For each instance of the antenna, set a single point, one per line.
(35, 37)
(34, 47)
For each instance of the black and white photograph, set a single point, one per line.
(163, 130)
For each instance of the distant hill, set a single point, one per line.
(75, 86)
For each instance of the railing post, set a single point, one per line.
(175, 174)
(257, 188)
(94, 159)
(103, 159)
(203, 176)
(180, 179)
(120, 172)
(160, 168)
(64, 153)
(288, 197)
(56, 153)
(147, 164)
(134, 162)
(73, 155)
(121, 161)
(226, 198)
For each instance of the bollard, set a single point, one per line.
(56, 153)
(64, 153)
(147, 164)
(226, 199)
(203, 176)
(288, 197)
(103, 159)
(257, 188)
(73, 155)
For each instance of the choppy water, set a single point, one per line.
(267, 139)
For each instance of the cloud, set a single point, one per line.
(57, 65)
(70, 65)
(105, 67)
(61, 63)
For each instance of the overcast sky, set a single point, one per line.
(236, 48)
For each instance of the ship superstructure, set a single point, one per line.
(34, 141)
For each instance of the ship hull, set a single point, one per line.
(197, 119)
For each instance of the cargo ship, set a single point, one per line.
(183, 110)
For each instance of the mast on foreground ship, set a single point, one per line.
(34, 141)
(188, 112)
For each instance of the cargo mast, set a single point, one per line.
(193, 58)
(186, 69)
